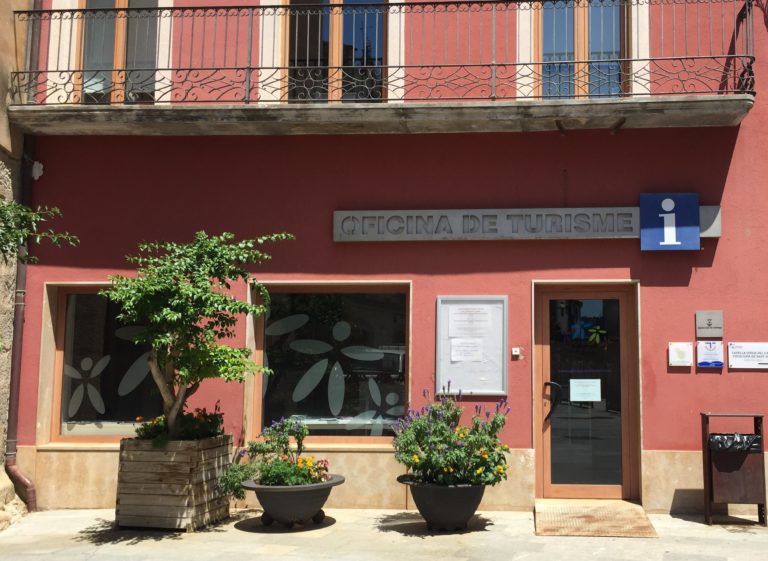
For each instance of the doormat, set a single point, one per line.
(597, 518)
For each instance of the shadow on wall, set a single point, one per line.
(689, 501)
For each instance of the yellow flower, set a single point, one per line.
(416, 458)
(310, 460)
(450, 469)
(478, 471)
(504, 447)
(300, 462)
(445, 470)
(500, 468)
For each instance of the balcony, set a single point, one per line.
(319, 68)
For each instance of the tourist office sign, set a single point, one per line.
(520, 224)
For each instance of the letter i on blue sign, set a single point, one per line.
(669, 221)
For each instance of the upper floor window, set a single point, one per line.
(335, 53)
(119, 51)
(339, 359)
(581, 47)
(103, 377)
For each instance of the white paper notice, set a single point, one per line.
(585, 390)
(469, 321)
(466, 349)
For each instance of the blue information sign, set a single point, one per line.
(669, 221)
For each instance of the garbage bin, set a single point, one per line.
(734, 466)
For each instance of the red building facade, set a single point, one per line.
(535, 129)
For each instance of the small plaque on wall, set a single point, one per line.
(752, 356)
(680, 354)
(709, 354)
(471, 345)
(709, 324)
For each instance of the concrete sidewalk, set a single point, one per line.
(376, 535)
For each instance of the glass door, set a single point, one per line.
(584, 351)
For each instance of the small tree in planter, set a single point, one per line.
(181, 299)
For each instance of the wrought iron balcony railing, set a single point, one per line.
(314, 52)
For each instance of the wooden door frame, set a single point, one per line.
(630, 398)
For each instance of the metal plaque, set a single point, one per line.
(709, 324)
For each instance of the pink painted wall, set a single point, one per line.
(115, 191)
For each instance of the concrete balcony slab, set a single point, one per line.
(384, 118)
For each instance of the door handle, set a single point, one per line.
(555, 396)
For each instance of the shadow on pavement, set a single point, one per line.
(254, 525)
(105, 531)
(412, 524)
(733, 524)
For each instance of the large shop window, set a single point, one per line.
(104, 378)
(339, 360)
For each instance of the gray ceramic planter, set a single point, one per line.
(288, 504)
(444, 507)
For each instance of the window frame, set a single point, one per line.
(254, 405)
(118, 87)
(335, 75)
(59, 308)
(580, 30)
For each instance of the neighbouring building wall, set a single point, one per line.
(10, 138)
(10, 155)
(7, 278)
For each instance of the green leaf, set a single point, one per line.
(19, 223)
(180, 295)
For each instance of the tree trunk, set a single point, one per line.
(173, 401)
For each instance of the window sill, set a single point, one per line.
(80, 447)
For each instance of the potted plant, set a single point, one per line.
(180, 299)
(450, 464)
(290, 487)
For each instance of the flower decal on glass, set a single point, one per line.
(596, 334)
(277, 328)
(579, 329)
(137, 371)
(85, 376)
(315, 373)
(374, 418)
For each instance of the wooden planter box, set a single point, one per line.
(172, 486)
